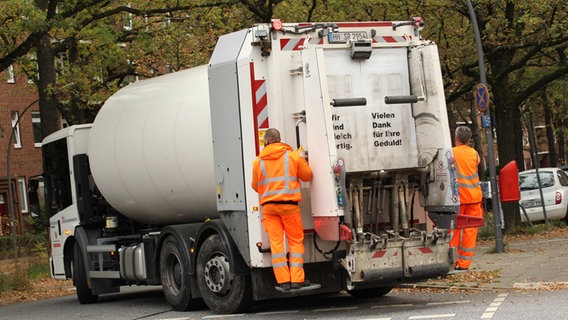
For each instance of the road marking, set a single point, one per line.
(277, 312)
(447, 302)
(225, 316)
(494, 306)
(434, 316)
(336, 309)
(393, 306)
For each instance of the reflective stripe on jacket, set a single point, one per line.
(469, 186)
(276, 174)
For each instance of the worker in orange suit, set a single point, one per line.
(469, 189)
(275, 176)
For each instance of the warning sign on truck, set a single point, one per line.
(374, 135)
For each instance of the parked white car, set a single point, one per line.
(554, 182)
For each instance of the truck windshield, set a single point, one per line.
(57, 181)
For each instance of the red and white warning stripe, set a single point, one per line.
(391, 39)
(259, 104)
(289, 44)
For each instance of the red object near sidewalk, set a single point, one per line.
(509, 183)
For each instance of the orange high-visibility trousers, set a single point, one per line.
(291, 224)
(465, 239)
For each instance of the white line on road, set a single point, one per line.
(225, 316)
(336, 309)
(393, 306)
(494, 306)
(447, 302)
(434, 316)
(276, 312)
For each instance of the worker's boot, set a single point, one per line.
(283, 287)
(306, 285)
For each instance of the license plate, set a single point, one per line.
(344, 37)
(532, 203)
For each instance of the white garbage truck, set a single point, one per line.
(157, 189)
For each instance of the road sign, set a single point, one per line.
(482, 97)
(486, 121)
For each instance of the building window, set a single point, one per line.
(36, 123)
(16, 128)
(23, 191)
(11, 78)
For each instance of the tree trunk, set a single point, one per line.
(552, 155)
(559, 123)
(49, 113)
(518, 135)
(507, 116)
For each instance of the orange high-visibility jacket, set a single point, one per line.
(469, 186)
(275, 174)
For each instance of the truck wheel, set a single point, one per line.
(84, 293)
(174, 273)
(370, 292)
(222, 291)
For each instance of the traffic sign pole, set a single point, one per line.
(499, 246)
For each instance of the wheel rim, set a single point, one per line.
(217, 276)
(174, 273)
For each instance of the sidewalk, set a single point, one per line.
(525, 264)
(531, 264)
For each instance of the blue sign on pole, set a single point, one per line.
(482, 97)
(486, 121)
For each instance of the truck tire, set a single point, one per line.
(222, 291)
(84, 293)
(370, 292)
(175, 277)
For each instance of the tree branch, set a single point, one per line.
(543, 81)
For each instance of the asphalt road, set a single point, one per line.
(149, 303)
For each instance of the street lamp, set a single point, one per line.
(10, 192)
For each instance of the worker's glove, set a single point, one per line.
(302, 153)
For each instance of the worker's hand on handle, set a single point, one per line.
(302, 153)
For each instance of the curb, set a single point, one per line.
(474, 286)
(448, 287)
(540, 285)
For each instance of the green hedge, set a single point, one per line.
(28, 244)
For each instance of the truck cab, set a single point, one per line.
(59, 150)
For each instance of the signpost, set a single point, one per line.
(482, 100)
(482, 97)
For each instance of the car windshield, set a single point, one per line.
(528, 181)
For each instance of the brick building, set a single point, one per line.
(16, 94)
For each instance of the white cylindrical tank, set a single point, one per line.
(150, 149)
